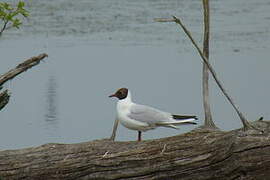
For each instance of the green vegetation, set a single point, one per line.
(10, 15)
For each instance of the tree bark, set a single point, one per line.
(4, 98)
(199, 154)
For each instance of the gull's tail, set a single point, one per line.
(183, 119)
(179, 120)
(174, 116)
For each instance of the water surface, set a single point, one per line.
(95, 47)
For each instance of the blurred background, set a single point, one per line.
(96, 47)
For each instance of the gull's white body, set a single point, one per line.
(142, 118)
(123, 109)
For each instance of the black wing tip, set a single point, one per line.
(174, 116)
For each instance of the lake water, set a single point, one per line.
(96, 47)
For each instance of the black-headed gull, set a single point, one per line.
(142, 118)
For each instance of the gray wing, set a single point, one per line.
(148, 114)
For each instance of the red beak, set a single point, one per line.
(113, 95)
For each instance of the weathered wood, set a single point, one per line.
(200, 154)
(246, 124)
(4, 98)
(27, 64)
(208, 122)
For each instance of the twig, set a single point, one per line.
(4, 27)
(246, 124)
(164, 20)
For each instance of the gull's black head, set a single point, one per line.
(120, 93)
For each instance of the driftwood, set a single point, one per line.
(4, 98)
(27, 64)
(199, 154)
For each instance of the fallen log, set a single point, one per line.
(200, 154)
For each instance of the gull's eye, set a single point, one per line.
(119, 93)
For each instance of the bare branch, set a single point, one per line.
(27, 64)
(246, 124)
(164, 20)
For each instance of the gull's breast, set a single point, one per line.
(122, 114)
(131, 123)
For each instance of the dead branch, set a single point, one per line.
(27, 64)
(246, 124)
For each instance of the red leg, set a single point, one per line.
(139, 135)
